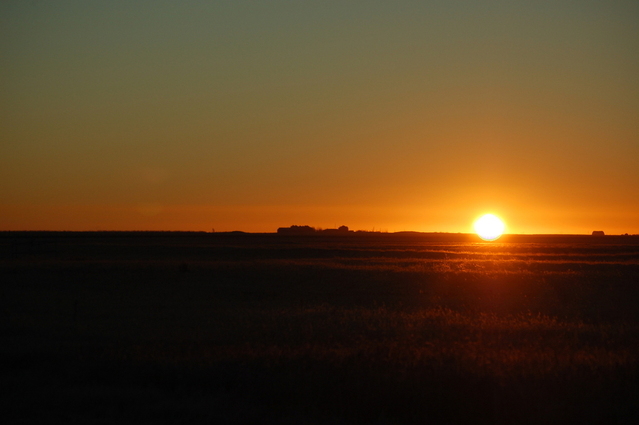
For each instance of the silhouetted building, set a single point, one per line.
(341, 230)
(597, 233)
(296, 230)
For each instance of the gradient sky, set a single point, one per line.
(385, 115)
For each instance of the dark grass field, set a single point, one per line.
(359, 329)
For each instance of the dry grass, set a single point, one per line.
(260, 330)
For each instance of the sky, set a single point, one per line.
(378, 115)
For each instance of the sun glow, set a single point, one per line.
(489, 227)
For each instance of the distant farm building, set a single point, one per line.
(296, 230)
(598, 233)
(342, 230)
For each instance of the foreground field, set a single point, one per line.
(381, 329)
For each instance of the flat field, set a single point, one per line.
(358, 329)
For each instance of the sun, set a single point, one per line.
(489, 227)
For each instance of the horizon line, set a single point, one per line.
(318, 232)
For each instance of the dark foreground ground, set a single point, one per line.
(361, 329)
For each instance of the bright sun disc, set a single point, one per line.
(489, 227)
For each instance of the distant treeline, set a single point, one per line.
(308, 230)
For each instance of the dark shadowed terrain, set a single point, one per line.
(357, 329)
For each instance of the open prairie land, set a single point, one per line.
(358, 329)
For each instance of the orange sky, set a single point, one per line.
(238, 115)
